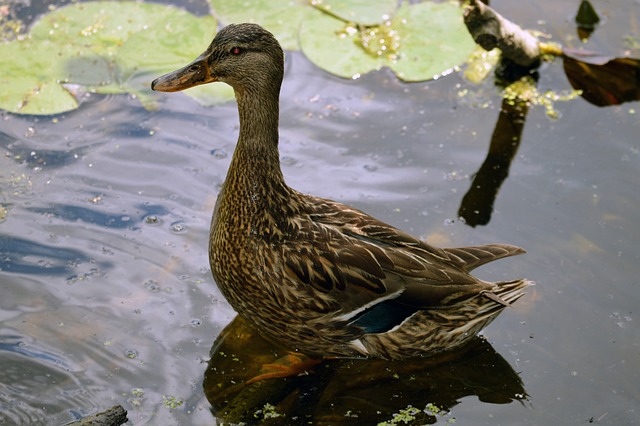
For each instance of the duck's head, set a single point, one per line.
(245, 56)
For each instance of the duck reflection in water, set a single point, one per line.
(350, 391)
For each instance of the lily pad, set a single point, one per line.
(422, 41)
(433, 40)
(119, 47)
(28, 82)
(331, 44)
(164, 47)
(362, 12)
(281, 17)
(108, 47)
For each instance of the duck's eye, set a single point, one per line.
(235, 50)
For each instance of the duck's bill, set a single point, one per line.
(194, 74)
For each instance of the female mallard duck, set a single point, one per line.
(318, 276)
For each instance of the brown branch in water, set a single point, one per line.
(490, 29)
(114, 416)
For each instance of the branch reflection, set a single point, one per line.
(477, 204)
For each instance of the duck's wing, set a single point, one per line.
(361, 225)
(363, 263)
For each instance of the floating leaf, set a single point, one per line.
(108, 47)
(586, 56)
(421, 42)
(119, 47)
(610, 83)
(28, 82)
(170, 43)
(362, 12)
(281, 17)
(433, 40)
(331, 44)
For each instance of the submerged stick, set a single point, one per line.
(490, 29)
(114, 416)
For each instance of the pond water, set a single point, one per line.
(107, 296)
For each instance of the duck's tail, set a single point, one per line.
(490, 303)
(474, 315)
(507, 292)
(434, 330)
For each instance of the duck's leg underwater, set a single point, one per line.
(292, 364)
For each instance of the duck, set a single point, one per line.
(314, 275)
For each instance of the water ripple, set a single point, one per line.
(19, 255)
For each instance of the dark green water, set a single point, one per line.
(106, 291)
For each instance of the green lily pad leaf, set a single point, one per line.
(49, 96)
(93, 27)
(281, 17)
(362, 12)
(421, 42)
(211, 94)
(331, 44)
(28, 82)
(107, 47)
(166, 45)
(141, 41)
(433, 40)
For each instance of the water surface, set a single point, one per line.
(107, 296)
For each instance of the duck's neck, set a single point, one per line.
(255, 179)
(258, 137)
